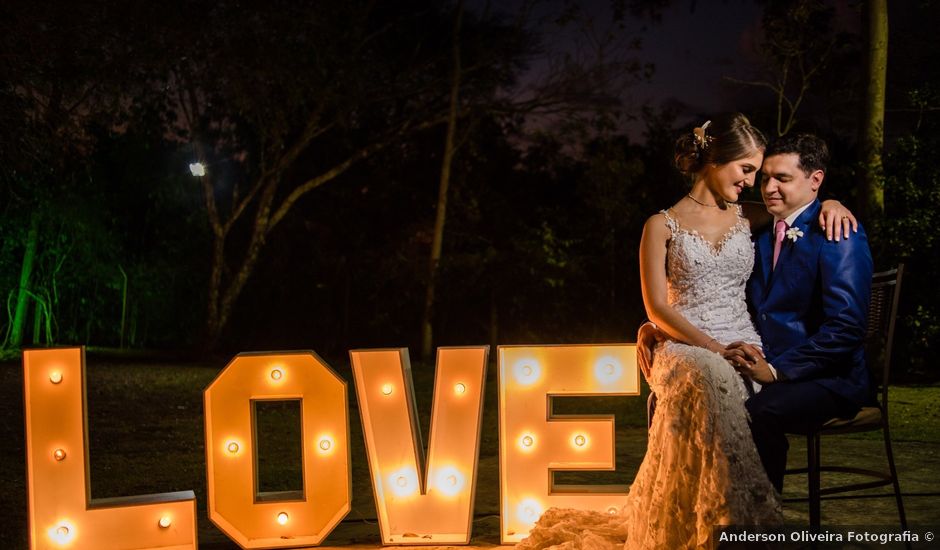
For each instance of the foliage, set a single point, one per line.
(913, 191)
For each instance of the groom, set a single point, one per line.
(809, 299)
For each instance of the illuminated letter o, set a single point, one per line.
(235, 506)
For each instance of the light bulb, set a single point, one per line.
(197, 169)
(277, 374)
(55, 377)
(608, 370)
(232, 447)
(61, 533)
(165, 522)
(325, 444)
(386, 389)
(282, 518)
(527, 441)
(580, 440)
(526, 371)
(613, 510)
(529, 510)
(59, 454)
(403, 482)
(449, 481)
(460, 388)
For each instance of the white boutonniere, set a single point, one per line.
(794, 233)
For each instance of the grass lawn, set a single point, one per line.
(146, 436)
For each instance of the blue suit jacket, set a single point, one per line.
(812, 309)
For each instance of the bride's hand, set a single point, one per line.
(835, 219)
(715, 346)
(749, 361)
(647, 337)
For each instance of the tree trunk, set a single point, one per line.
(214, 324)
(26, 271)
(494, 322)
(37, 321)
(872, 139)
(123, 305)
(427, 327)
(222, 300)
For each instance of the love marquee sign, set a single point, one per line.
(419, 500)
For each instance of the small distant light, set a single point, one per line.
(165, 522)
(277, 374)
(580, 440)
(55, 377)
(460, 388)
(232, 447)
(527, 441)
(283, 518)
(326, 444)
(401, 481)
(613, 510)
(59, 454)
(386, 389)
(451, 480)
(198, 169)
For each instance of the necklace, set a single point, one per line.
(700, 202)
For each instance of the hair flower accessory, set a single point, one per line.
(702, 139)
(794, 233)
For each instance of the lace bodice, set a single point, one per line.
(707, 283)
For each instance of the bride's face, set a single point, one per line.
(729, 180)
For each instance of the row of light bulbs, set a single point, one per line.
(526, 372)
(527, 441)
(324, 445)
(64, 531)
(607, 370)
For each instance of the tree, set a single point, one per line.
(450, 148)
(58, 81)
(292, 97)
(573, 91)
(871, 137)
(797, 43)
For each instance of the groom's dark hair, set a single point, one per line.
(812, 151)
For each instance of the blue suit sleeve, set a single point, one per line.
(845, 276)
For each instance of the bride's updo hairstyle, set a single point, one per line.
(723, 139)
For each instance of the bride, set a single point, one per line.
(701, 468)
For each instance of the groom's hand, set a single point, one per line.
(749, 361)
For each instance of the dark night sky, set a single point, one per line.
(693, 46)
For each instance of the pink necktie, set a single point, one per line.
(780, 230)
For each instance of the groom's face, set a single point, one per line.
(785, 187)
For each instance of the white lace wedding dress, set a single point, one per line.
(701, 468)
